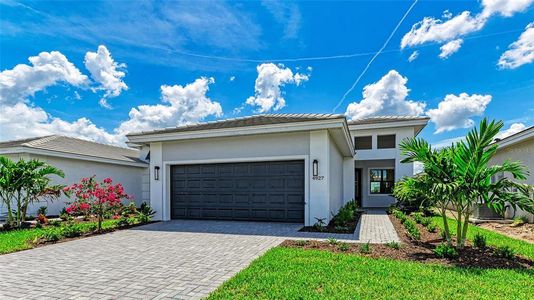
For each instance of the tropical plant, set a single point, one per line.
(393, 245)
(445, 251)
(145, 213)
(479, 241)
(365, 248)
(460, 176)
(24, 183)
(96, 197)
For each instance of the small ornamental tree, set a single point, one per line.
(91, 196)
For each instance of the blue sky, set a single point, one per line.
(186, 62)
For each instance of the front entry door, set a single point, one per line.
(358, 186)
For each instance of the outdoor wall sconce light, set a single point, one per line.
(156, 173)
(315, 168)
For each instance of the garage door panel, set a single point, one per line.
(259, 191)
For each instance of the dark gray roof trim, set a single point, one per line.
(257, 120)
(70, 145)
(386, 119)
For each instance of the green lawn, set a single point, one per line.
(20, 239)
(493, 238)
(286, 273)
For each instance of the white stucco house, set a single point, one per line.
(275, 167)
(517, 147)
(80, 158)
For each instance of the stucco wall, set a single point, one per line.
(375, 157)
(523, 152)
(297, 143)
(129, 177)
(368, 199)
(336, 178)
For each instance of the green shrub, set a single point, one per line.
(505, 252)
(412, 229)
(445, 251)
(71, 231)
(320, 225)
(479, 241)
(145, 213)
(55, 223)
(426, 221)
(343, 247)
(418, 217)
(122, 221)
(432, 227)
(332, 241)
(393, 245)
(518, 221)
(52, 235)
(345, 214)
(365, 248)
(301, 243)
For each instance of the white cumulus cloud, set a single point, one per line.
(450, 48)
(451, 28)
(22, 120)
(506, 8)
(181, 105)
(436, 30)
(106, 72)
(513, 129)
(267, 89)
(519, 52)
(387, 96)
(455, 111)
(46, 69)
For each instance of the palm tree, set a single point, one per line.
(460, 175)
(24, 183)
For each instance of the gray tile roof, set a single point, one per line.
(256, 120)
(385, 119)
(70, 145)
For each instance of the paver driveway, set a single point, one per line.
(178, 260)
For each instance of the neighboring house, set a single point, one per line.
(80, 158)
(278, 167)
(517, 147)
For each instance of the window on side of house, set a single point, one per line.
(363, 142)
(386, 141)
(381, 181)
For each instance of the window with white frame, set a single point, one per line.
(381, 181)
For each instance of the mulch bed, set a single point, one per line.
(331, 227)
(421, 251)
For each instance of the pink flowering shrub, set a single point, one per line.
(95, 197)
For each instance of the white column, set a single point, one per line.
(319, 198)
(348, 179)
(157, 201)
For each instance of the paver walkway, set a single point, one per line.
(183, 259)
(375, 227)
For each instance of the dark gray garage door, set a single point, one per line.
(256, 191)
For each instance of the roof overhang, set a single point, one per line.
(337, 128)
(418, 125)
(30, 150)
(516, 138)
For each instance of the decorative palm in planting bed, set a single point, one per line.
(460, 178)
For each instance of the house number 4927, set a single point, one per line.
(318, 177)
